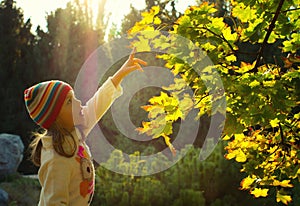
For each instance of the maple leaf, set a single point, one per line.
(285, 199)
(259, 192)
(290, 60)
(247, 182)
(284, 183)
(241, 156)
(274, 123)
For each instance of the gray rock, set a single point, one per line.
(3, 198)
(11, 153)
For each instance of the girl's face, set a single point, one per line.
(70, 113)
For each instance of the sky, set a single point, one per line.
(37, 10)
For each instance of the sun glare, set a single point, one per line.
(115, 10)
(119, 8)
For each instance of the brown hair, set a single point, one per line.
(60, 136)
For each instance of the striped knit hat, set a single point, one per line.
(44, 101)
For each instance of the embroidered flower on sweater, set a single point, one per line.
(82, 152)
(87, 170)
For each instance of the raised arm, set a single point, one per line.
(97, 106)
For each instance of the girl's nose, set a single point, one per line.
(76, 104)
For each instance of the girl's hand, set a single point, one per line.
(130, 65)
(133, 63)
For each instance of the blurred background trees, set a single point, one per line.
(30, 57)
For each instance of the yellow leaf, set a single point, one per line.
(269, 83)
(228, 35)
(145, 128)
(226, 137)
(136, 28)
(273, 149)
(157, 21)
(155, 9)
(230, 155)
(254, 83)
(218, 24)
(247, 182)
(245, 67)
(231, 58)
(285, 199)
(240, 156)
(147, 108)
(142, 45)
(258, 192)
(274, 123)
(150, 34)
(208, 46)
(284, 183)
(239, 137)
(228, 109)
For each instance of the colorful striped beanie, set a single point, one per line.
(44, 101)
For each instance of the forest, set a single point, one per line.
(234, 65)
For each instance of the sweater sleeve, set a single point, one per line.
(55, 176)
(97, 106)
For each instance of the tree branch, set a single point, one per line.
(221, 37)
(295, 9)
(281, 134)
(271, 27)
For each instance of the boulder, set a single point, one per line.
(3, 198)
(11, 153)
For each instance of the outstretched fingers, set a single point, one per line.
(136, 66)
(131, 57)
(136, 62)
(139, 61)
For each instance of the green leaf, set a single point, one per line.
(217, 25)
(245, 14)
(288, 46)
(142, 45)
(155, 111)
(272, 38)
(296, 38)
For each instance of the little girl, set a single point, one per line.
(66, 172)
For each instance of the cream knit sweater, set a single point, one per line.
(70, 181)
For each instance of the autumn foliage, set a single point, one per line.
(261, 85)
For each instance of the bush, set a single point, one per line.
(190, 181)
